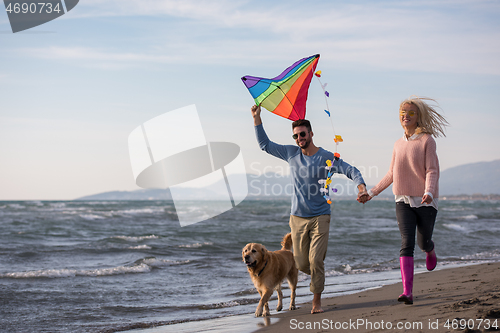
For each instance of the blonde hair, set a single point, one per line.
(429, 120)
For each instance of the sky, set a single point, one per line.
(73, 89)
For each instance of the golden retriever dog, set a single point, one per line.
(268, 269)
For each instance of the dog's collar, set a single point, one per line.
(262, 269)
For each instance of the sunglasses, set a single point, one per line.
(411, 113)
(302, 134)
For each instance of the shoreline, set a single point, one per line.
(449, 295)
(469, 292)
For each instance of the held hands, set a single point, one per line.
(363, 195)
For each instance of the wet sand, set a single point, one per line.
(447, 300)
(461, 299)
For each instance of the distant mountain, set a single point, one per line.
(467, 179)
(146, 194)
(266, 186)
(472, 178)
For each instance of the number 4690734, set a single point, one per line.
(32, 8)
(471, 324)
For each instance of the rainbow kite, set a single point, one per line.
(286, 94)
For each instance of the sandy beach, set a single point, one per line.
(455, 299)
(465, 298)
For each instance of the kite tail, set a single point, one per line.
(326, 94)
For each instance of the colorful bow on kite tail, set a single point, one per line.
(286, 94)
(326, 184)
(337, 138)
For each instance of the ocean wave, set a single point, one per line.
(196, 245)
(102, 203)
(218, 305)
(228, 304)
(16, 206)
(333, 273)
(468, 217)
(135, 239)
(91, 217)
(452, 209)
(58, 205)
(140, 266)
(349, 270)
(245, 292)
(158, 210)
(158, 263)
(453, 226)
(495, 255)
(140, 247)
(66, 273)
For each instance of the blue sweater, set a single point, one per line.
(307, 200)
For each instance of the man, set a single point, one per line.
(310, 214)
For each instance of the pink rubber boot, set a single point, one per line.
(431, 260)
(406, 264)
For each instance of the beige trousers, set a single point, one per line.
(310, 242)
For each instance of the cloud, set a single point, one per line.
(174, 8)
(413, 36)
(98, 55)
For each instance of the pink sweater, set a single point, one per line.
(414, 168)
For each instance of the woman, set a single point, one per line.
(414, 172)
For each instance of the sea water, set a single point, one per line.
(107, 266)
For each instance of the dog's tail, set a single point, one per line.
(286, 243)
